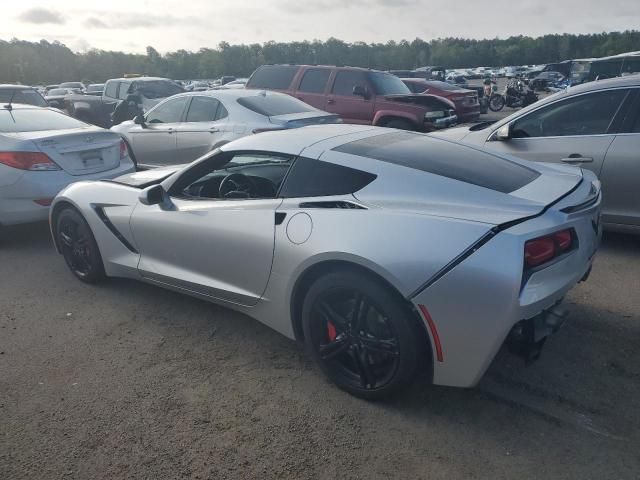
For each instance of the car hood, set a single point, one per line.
(145, 178)
(424, 99)
(454, 134)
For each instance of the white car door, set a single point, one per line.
(154, 143)
(204, 126)
(215, 239)
(576, 130)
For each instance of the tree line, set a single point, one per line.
(52, 62)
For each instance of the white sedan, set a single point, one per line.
(187, 126)
(42, 151)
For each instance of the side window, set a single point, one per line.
(124, 90)
(111, 90)
(346, 80)
(239, 176)
(222, 112)
(315, 178)
(589, 114)
(314, 80)
(203, 109)
(273, 77)
(168, 112)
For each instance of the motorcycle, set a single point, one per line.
(516, 98)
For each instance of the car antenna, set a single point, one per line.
(8, 106)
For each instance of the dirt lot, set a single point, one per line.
(126, 380)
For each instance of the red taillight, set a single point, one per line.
(124, 151)
(434, 332)
(541, 250)
(34, 161)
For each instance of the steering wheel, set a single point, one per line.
(235, 185)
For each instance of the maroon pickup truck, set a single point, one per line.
(358, 95)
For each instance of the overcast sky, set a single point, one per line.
(131, 25)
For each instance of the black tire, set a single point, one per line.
(78, 246)
(496, 103)
(360, 334)
(400, 124)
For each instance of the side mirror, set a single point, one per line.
(504, 132)
(360, 91)
(139, 120)
(154, 195)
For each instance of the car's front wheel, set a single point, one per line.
(78, 246)
(360, 333)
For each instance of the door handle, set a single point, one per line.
(213, 130)
(576, 158)
(331, 101)
(170, 130)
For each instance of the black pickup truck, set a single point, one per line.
(98, 110)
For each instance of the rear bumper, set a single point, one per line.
(17, 201)
(475, 306)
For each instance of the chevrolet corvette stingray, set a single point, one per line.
(386, 252)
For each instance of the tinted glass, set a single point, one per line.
(168, 112)
(272, 105)
(314, 80)
(26, 96)
(314, 178)
(273, 77)
(58, 91)
(346, 80)
(111, 89)
(157, 88)
(589, 114)
(255, 175)
(222, 112)
(95, 88)
(36, 120)
(203, 109)
(416, 87)
(125, 89)
(443, 158)
(387, 84)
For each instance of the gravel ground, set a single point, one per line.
(126, 380)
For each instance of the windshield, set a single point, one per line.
(387, 84)
(95, 88)
(157, 88)
(273, 105)
(26, 96)
(36, 120)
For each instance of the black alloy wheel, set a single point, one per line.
(78, 246)
(360, 334)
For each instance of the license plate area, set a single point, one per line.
(92, 159)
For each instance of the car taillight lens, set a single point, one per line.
(124, 151)
(543, 249)
(34, 161)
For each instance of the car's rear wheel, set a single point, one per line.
(78, 246)
(360, 333)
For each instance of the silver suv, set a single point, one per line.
(595, 125)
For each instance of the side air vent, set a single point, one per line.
(103, 216)
(333, 204)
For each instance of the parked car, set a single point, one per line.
(149, 91)
(55, 98)
(50, 87)
(42, 151)
(358, 95)
(465, 101)
(186, 126)
(77, 85)
(545, 79)
(21, 94)
(594, 125)
(237, 83)
(95, 89)
(358, 241)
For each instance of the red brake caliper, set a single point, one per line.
(331, 331)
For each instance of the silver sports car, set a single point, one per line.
(377, 248)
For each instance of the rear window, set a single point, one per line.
(26, 96)
(273, 105)
(443, 158)
(273, 77)
(157, 88)
(35, 120)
